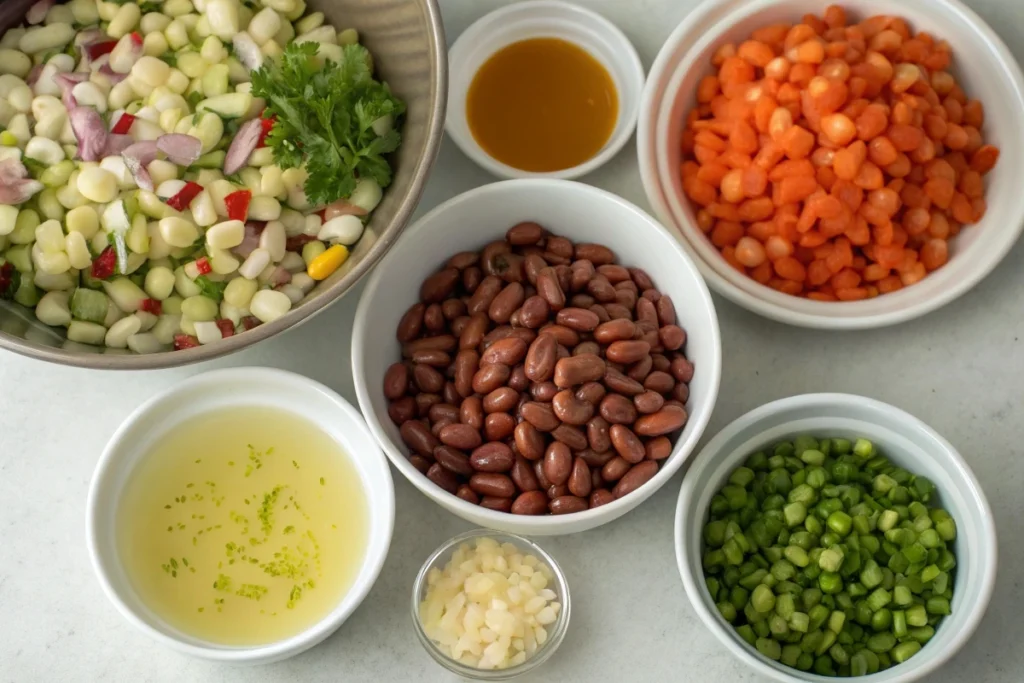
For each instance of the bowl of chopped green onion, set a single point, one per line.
(831, 535)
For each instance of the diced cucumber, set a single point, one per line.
(20, 257)
(86, 332)
(57, 175)
(125, 294)
(229, 106)
(211, 160)
(89, 305)
(27, 294)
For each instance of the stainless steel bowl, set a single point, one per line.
(406, 38)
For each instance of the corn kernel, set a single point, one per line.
(326, 263)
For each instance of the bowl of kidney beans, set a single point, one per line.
(549, 377)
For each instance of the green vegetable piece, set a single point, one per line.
(727, 610)
(936, 605)
(790, 655)
(917, 615)
(742, 477)
(763, 599)
(881, 620)
(769, 648)
(89, 305)
(746, 633)
(863, 448)
(813, 457)
(905, 651)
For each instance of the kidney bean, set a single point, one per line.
(619, 383)
(402, 410)
(645, 312)
(453, 308)
(471, 279)
(424, 402)
(512, 270)
(563, 335)
(559, 246)
(571, 436)
(648, 402)
(682, 369)
(596, 480)
(615, 468)
(453, 460)
(485, 292)
(601, 497)
(544, 391)
(597, 460)
(641, 278)
(627, 285)
(492, 484)
(582, 271)
(530, 503)
(615, 331)
(441, 342)
(665, 421)
(491, 257)
(591, 392)
(428, 379)
(601, 289)
(433, 318)
(681, 393)
(490, 377)
(601, 312)
(598, 254)
(613, 273)
(396, 379)
(666, 310)
(411, 324)
(540, 415)
(420, 463)
(534, 312)
(570, 409)
(463, 260)
(508, 299)
(672, 337)
(566, 505)
(459, 324)
(590, 347)
(658, 448)
(522, 474)
(523, 333)
(580, 481)
(492, 457)
(651, 295)
(557, 463)
(640, 369)
(524, 234)
(496, 503)
(529, 441)
(467, 363)
(471, 412)
(598, 436)
(443, 478)
(439, 286)
(556, 491)
(508, 352)
(549, 288)
(617, 409)
(659, 381)
(617, 311)
(417, 436)
(578, 319)
(636, 477)
(443, 411)
(576, 370)
(626, 298)
(460, 436)
(450, 394)
(538, 471)
(467, 494)
(626, 443)
(583, 301)
(532, 265)
(541, 358)
(660, 363)
(626, 352)
(499, 426)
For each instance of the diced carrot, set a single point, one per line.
(762, 273)
(795, 189)
(851, 293)
(726, 233)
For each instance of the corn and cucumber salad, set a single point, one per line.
(175, 172)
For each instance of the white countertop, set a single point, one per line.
(960, 369)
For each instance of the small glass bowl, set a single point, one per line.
(556, 631)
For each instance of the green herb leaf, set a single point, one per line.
(325, 116)
(210, 289)
(35, 167)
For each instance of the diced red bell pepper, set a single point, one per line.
(265, 126)
(105, 264)
(97, 50)
(185, 196)
(136, 38)
(124, 124)
(6, 278)
(238, 204)
(185, 341)
(203, 265)
(250, 321)
(296, 243)
(151, 306)
(227, 328)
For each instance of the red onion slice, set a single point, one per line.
(33, 75)
(242, 146)
(342, 207)
(37, 12)
(247, 51)
(251, 241)
(136, 158)
(15, 187)
(117, 144)
(179, 148)
(114, 77)
(66, 82)
(279, 277)
(90, 131)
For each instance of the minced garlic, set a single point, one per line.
(489, 608)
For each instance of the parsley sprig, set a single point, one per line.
(324, 119)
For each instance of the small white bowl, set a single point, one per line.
(217, 390)
(981, 62)
(543, 19)
(471, 220)
(906, 441)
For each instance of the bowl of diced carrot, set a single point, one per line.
(836, 166)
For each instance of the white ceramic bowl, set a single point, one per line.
(980, 61)
(583, 214)
(543, 19)
(906, 441)
(224, 389)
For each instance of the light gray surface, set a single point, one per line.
(961, 369)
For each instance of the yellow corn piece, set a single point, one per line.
(326, 263)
